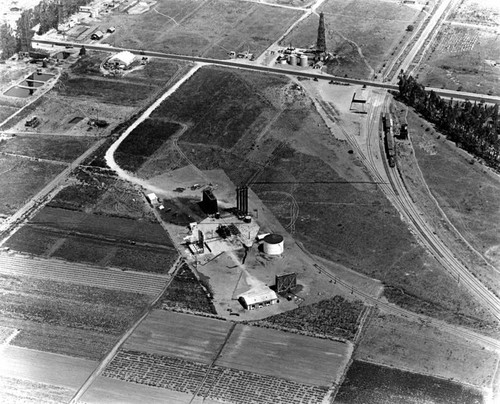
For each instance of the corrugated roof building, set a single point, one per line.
(258, 297)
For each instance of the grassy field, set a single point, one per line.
(207, 28)
(20, 179)
(332, 318)
(375, 384)
(362, 35)
(463, 59)
(59, 148)
(18, 390)
(422, 348)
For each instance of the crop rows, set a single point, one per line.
(157, 370)
(82, 274)
(5, 333)
(241, 387)
(25, 391)
(218, 383)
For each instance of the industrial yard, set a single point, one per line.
(201, 204)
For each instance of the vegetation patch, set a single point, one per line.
(32, 240)
(21, 179)
(186, 292)
(144, 259)
(142, 142)
(331, 318)
(370, 383)
(25, 391)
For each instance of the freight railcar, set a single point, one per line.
(390, 146)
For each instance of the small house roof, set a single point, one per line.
(124, 57)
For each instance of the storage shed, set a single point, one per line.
(258, 297)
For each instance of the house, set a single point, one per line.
(122, 59)
(97, 35)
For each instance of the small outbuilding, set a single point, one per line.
(97, 35)
(153, 199)
(258, 297)
(122, 59)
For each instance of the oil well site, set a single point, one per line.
(235, 202)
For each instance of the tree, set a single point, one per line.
(321, 42)
(8, 41)
(24, 33)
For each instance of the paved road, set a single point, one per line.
(283, 69)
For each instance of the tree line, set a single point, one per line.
(47, 13)
(472, 126)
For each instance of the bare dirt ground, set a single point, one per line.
(421, 348)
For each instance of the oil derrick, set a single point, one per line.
(321, 42)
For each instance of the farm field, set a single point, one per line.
(14, 390)
(363, 36)
(81, 274)
(20, 179)
(62, 374)
(210, 29)
(421, 348)
(59, 148)
(332, 318)
(366, 382)
(193, 338)
(462, 58)
(316, 361)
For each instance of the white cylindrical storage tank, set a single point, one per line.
(273, 244)
(303, 60)
(293, 60)
(283, 61)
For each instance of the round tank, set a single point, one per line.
(303, 60)
(283, 61)
(273, 244)
(293, 60)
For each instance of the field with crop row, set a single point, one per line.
(81, 274)
(369, 383)
(230, 385)
(14, 390)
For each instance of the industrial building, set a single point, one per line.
(258, 297)
(209, 202)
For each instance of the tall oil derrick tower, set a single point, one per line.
(60, 13)
(321, 41)
(242, 200)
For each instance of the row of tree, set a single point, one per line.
(474, 127)
(48, 13)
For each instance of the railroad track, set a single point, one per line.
(62, 271)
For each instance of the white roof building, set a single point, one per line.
(258, 297)
(123, 58)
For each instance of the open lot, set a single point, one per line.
(369, 383)
(207, 28)
(362, 36)
(22, 178)
(424, 349)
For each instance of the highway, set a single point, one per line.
(282, 69)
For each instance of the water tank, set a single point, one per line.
(303, 60)
(273, 244)
(293, 60)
